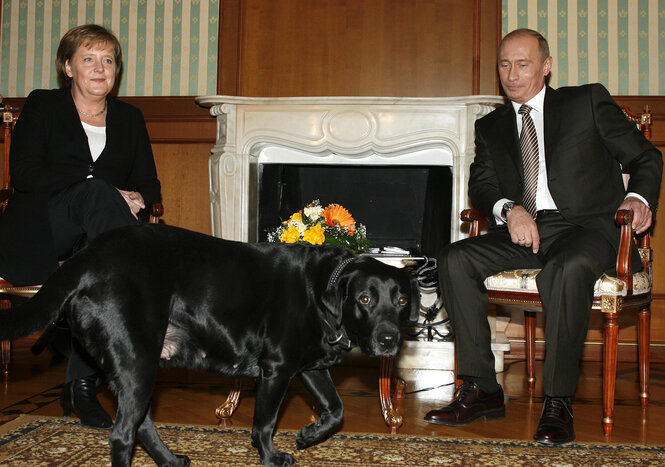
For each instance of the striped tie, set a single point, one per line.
(529, 148)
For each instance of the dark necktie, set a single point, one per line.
(529, 148)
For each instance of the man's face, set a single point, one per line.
(522, 69)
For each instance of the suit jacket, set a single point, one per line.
(50, 152)
(588, 143)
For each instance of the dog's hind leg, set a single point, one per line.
(321, 386)
(269, 395)
(147, 434)
(134, 386)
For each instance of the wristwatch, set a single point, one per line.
(507, 206)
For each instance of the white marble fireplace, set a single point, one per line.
(333, 130)
(367, 131)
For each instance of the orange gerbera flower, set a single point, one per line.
(338, 215)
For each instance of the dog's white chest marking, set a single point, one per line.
(170, 345)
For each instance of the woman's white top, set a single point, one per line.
(96, 139)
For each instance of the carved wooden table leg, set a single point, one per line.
(390, 415)
(400, 385)
(225, 411)
(6, 345)
(6, 355)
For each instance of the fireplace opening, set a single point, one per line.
(402, 206)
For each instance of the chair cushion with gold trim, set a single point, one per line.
(524, 280)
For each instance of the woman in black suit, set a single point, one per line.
(81, 164)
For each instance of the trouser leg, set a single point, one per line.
(463, 267)
(573, 262)
(81, 212)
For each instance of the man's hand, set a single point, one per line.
(523, 229)
(642, 216)
(134, 201)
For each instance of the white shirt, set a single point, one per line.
(96, 139)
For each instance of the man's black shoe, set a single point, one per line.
(470, 403)
(556, 422)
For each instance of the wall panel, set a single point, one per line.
(356, 47)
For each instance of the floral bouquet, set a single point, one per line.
(317, 225)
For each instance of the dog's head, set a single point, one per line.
(372, 300)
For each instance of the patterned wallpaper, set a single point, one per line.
(620, 43)
(169, 46)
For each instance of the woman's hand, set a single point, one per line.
(134, 201)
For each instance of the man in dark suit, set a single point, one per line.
(548, 173)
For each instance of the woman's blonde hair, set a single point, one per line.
(86, 35)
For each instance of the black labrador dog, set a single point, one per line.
(148, 293)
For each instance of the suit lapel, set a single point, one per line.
(505, 134)
(551, 123)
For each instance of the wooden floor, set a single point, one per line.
(191, 397)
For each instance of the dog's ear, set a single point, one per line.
(332, 301)
(414, 310)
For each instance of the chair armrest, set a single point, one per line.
(474, 217)
(624, 218)
(156, 211)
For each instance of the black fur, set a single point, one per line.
(141, 294)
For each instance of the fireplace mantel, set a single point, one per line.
(333, 130)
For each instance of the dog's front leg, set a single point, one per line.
(321, 386)
(269, 395)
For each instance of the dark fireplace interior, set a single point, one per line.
(403, 206)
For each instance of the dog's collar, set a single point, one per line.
(341, 338)
(334, 276)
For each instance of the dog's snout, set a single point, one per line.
(388, 340)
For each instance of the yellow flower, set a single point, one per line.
(297, 216)
(314, 235)
(290, 235)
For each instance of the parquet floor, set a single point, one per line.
(190, 397)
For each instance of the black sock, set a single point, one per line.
(488, 385)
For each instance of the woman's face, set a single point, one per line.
(92, 70)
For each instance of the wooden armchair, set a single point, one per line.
(7, 290)
(625, 293)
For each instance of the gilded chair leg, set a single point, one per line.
(610, 351)
(644, 339)
(225, 411)
(530, 348)
(6, 356)
(390, 415)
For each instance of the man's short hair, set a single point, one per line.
(543, 46)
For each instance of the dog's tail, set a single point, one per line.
(33, 315)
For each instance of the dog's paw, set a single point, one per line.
(314, 433)
(307, 436)
(278, 459)
(180, 461)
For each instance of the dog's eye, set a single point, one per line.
(364, 299)
(401, 301)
